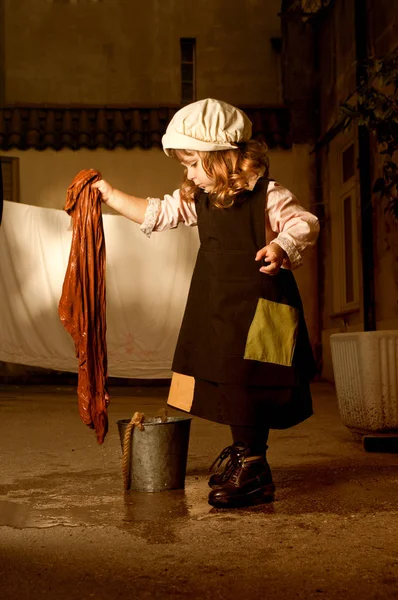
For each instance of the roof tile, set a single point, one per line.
(75, 127)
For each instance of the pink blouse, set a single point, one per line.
(286, 222)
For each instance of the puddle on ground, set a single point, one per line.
(21, 516)
(123, 512)
(96, 498)
(75, 500)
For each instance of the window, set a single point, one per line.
(10, 173)
(348, 163)
(188, 76)
(344, 222)
(348, 249)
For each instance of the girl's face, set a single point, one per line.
(196, 173)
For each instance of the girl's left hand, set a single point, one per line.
(272, 254)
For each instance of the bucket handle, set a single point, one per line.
(136, 421)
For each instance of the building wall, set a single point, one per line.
(45, 176)
(123, 52)
(336, 60)
(383, 24)
(337, 79)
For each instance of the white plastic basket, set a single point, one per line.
(365, 366)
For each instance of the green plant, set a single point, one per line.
(376, 107)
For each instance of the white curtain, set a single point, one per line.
(147, 282)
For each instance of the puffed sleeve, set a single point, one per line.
(293, 228)
(168, 213)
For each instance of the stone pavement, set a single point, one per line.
(68, 531)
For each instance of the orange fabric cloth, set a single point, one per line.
(82, 307)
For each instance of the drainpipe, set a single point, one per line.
(361, 47)
(319, 206)
(1, 193)
(2, 52)
(2, 91)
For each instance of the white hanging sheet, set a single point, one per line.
(147, 282)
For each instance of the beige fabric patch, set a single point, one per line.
(181, 391)
(273, 333)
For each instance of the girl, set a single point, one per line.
(243, 356)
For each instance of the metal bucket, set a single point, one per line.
(159, 453)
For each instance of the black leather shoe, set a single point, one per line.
(250, 479)
(233, 453)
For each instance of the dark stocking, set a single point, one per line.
(254, 437)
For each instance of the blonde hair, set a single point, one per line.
(231, 170)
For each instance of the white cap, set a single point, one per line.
(207, 125)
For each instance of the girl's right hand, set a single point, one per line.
(105, 189)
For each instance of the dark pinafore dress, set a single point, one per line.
(243, 355)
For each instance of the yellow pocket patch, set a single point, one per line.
(273, 333)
